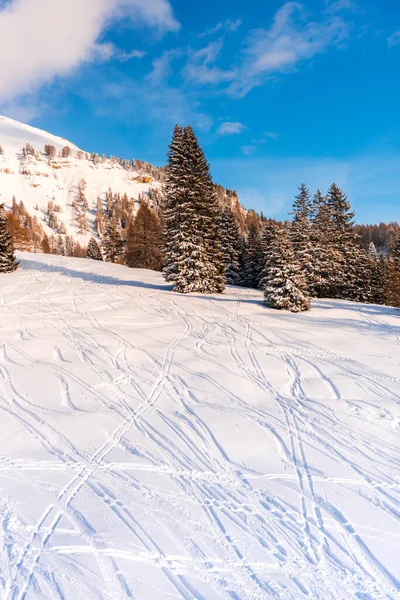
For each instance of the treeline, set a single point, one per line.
(200, 237)
(51, 153)
(384, 236)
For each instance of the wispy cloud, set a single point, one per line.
(231, 128)
(201, 68)
(394, 39)
(42, 39)
(226, 26)
(343, 5)
(291, 39)
(248, 150)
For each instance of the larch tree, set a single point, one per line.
(395, 254)
(8, 262)
(144, 240)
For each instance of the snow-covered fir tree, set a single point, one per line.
(175, 197)
(230, 236)
(378, 275)
(194, 260)
(144, 240)
(254, 256)
(285, 285)
(301, 233)
(345, 283)
(93, 250)
(372, 250)
(326, 257)
(113, 244)
(8, 262)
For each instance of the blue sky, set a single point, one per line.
(278, 93)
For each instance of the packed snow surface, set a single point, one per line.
(157, 446)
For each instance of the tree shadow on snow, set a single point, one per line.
(90, 276)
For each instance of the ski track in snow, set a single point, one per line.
(163, 446)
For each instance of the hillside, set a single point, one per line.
(38, 179)
(163, 446)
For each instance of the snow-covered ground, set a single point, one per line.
(157, 446)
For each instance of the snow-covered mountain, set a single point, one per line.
(160, 446)
(37, 178)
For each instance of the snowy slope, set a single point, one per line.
(35, 181)
(157, 446)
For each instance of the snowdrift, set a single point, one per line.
(158, 446)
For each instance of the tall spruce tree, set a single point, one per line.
(194, 260)
(93, 250)
(301, 234)
(326, 258)
(8, 262)
(176, 196)
(230, 244)
(285, 285)
(346, 283)
(144, 240)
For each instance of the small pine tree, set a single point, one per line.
(285, 286)
(254, 258)
(8, 262)
(93, 250)
(230, 235)
(113, 244)
(378, 278)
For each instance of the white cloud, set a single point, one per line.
(230, 128)
(248, 150)
(200, 68)
(290, 40)
(394, 39)
(227, 26)
(41, 39)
